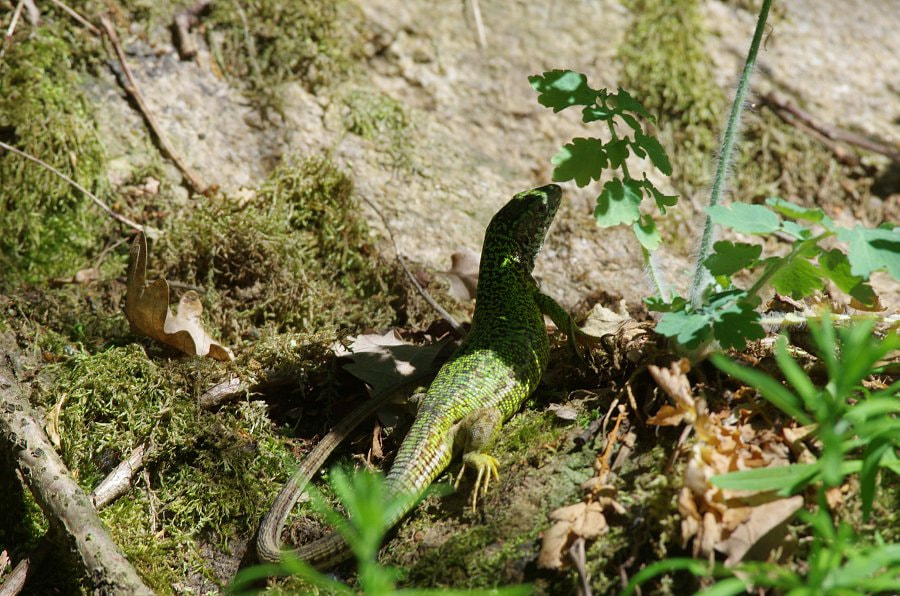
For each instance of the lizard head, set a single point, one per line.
(518, 230)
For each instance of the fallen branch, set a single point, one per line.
(182, 24)
(131, 87)
(790, 113)
(151, 232)
(59, 496)
(110, 488)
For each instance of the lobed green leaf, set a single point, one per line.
(618, 203)
(582, 160)
(748, 219)
(560, 89)
(730, 257)
(872, 249)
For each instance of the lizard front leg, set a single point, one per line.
(564, 322)
(473, 434)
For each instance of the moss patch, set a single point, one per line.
(296, 257)
(250, 42)
(667, 68)
(47, 228)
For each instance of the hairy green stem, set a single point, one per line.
(655, 275)
(725, 156)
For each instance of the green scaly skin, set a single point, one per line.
(485, 382)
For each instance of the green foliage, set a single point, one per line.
(296, 258)
(848, 419)
(370, 508)
(584, 159)
(48, 228)
(838, 564)
(727, 314)
(859, 433)
(254, 47)
(666, 63)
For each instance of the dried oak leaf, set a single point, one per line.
(602, 321)
(147, 310)
(581, 520)
(463, 274)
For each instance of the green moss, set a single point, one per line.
(380, 118)
(297, 257)
(666, 66)
(47, 228)
(269, 42)
(211, 475)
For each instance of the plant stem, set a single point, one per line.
(654, 274)
(725, 156)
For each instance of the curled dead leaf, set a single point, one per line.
(148, 313)
(602, 321)
(463, 274)
(581, 520)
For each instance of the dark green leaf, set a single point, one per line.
(560, 89)
(624, 101)
(836, 267)
(737, 325)
(797, 278)
(872, 249)
(618, 203)
(870, 459)
(581, 160)
(594, 113)
(688, 329)
(730, 257)
(631, 121)
(768, 387)
(796, 375)
(618, 152)
(655, 304)
(748, 219)
(655, 151)
(662, 201)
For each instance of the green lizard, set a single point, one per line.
(483, 383)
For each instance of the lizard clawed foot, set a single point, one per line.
(486, 465)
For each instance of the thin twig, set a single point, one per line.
(193, 178)
(781, 106)
(120, 218)
(479, 25)
(182, 24)
(7, 39)
(577, 556)
(83, 21)
(422, 292)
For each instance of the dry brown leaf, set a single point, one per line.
(563, 412)
(763, 529)
(667, 416)
(463, 274)
(52, 422)
(383, 359)
(147, 310)
(602, 321)
(581, 520)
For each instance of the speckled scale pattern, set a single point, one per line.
(494, 370)
(502, 359)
